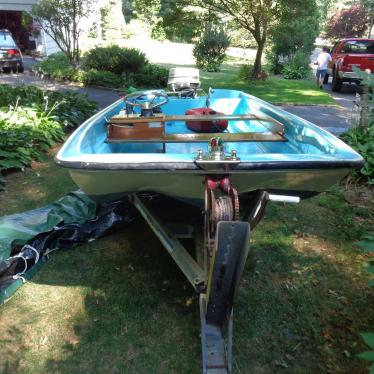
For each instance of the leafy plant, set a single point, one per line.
(295, 31)
(102, 78)
(71, 111)
(297, 66)
(25, 133)
(368, 245)
(362, 140)
(115, 59)
(32, 120)
(210, 50)
(150, 76)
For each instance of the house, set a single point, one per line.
(13, 16)
(105, 18)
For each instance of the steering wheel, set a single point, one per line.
(146, 99)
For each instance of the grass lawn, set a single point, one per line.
(120, 304)
(275, 90)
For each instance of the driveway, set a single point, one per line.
(334, 119)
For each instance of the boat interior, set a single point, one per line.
(296, 138)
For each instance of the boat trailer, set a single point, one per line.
(216, 270)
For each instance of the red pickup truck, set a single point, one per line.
(346, 54)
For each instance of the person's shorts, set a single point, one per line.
(320, 73)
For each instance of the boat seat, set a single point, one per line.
(124, 129)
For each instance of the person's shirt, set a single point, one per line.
(323, 60)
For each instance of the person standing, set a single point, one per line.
(322, 63)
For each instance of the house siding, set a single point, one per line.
(17, 5)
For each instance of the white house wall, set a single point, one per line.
(17, 5)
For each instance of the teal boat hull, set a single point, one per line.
(309, 162)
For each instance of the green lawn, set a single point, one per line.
(120, 304)
(274, 89)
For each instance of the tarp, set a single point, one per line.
(27, 238)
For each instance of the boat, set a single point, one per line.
(224, 151)
(270, 150)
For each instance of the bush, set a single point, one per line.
(115, 59)
(25, 133)
(57, 67)
(151, 76)
(210, 50)
(297, 67)
(362, 140)
(70, 109)
(32, 120)
(148, 75)
(102, 78)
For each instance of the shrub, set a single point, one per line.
(57, 67)
(246, 73)
(297, 67)
(102, 78)
(362, 140)
(152, 76)
(115, 59)
(70, 108)
(25, 133)
(32, 120)
(210, 50)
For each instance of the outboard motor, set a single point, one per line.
(185, 81)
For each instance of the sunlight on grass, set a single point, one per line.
(274, 89)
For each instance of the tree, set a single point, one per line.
(369, 9)
(254, 16)
(348, 23)
(60, 19)
(295, 31)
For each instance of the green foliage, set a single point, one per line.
(362, 140)
(297, 66)
(181, 23)
(115, 59)
(62, 21)
(25, 133)
(210, 50)
(32, 120)
(69, 108)
(368, 245)
(158, 31)
(138, 71)
(295, 32)
(245, 71)
(102, 78)
(151, 76)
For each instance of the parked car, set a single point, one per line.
(10, 54)
(348, 53)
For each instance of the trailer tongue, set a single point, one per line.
(216, 270)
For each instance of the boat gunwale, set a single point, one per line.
(180, 166)
(186, 162)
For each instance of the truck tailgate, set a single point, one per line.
(362, 61)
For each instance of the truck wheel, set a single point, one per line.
(6, 70)
(336, 83)
(326, 79)
(19, 69)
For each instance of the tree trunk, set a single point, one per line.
(257, 65)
